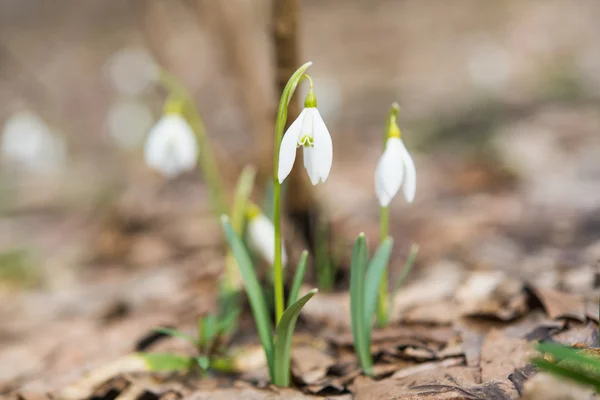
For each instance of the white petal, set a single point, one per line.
(391, 168)
(323, 146)
(261, 239)
(410, 181)
(171, 147)
(287, 150)
(311, 164)
(384, 198)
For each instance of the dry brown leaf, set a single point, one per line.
(85, 386)
(422, 333)
(579, 335)
(423, 367)
(329, 310)
(250, 393)
(450, 383)
(561, 304)
(310, 365)
(501, 355)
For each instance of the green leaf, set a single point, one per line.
(178, 334)
(357, 304)
(566, 373)
(408, 266)
(375, 271)
(253, 290)
(324, 265)
(283, 341)
(570, 356)
(298, 278)
(208, 326)
(243, 190)
(203, 362)
(158, 362)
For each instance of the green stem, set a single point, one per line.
(384, 220)
(280, 122)
(382, 304)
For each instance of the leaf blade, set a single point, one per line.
(283, 342)
(253, 290)
(375, 271)
(357, 303)
(164, 362)
(298, 278)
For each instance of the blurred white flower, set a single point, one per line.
(395, 167)
(27, 141)
(132, 70)
(261, 236)
(310, 132)
(128, 122)
(171, 147)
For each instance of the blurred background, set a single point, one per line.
(500, 107)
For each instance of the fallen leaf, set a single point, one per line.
(501, 355)
(561, 304)
(85, 386)
(309, 365)
(579, 335)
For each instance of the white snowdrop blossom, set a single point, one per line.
(395, 168)
(171, 147)
(261, 236)
(307, 131)
(27, 141)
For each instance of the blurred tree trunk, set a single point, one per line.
(235, 23)
(300, 202)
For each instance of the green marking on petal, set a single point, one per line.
(306, 141)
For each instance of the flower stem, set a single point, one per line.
(383, 298)
(280, 122)
(391, 129)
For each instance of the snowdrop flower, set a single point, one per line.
(260, 235)
(307, 131)
(27, 141)
(395, 168)
(171, 147)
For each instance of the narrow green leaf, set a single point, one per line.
(323, 263)
(208, 331)
(283, 341)
(298, 278)
(253, 290)
(408, 266)
(375, 271)
(566, 373)
(243, 190)
(158, 362)
(570, 356)
(203, 362)
(178, 334)
(357, 304)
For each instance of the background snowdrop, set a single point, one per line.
(171, 147)
(394, 169)
(260, 234)
(27, 141)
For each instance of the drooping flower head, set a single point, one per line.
(309, 132)
(260, 234)
(171, 147)
(395, 167)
